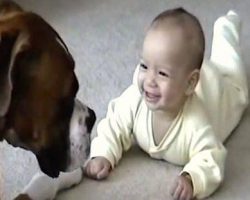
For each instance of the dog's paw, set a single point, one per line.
(70, 179)
(41, 187)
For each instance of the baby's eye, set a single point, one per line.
(143, 66)
(164, 74)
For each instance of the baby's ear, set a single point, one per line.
(192, 81)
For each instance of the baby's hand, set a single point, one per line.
(183, 189)
(97, 168)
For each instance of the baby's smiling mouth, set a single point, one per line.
(151, 97)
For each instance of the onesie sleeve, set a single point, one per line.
(114, 132)
(206, 166)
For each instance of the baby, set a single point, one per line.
(179, 107)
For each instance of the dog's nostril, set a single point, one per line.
(90, 120)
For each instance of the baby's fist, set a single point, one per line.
(97, 168)
(183, 189)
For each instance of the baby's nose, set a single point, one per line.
(151, 79)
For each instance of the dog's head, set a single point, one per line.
(37, 89)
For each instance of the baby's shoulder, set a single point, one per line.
(129, 100)
(194, 115)
(198, 128)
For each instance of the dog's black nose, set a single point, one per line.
(90, 120)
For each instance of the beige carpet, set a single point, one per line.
(105, 37)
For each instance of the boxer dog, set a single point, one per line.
(37, 90)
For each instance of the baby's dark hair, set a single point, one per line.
(192, 28)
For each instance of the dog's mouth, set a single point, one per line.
(87, 149)
(90, 120)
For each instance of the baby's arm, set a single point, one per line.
(114, 134)
(206, 166)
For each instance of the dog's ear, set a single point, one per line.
(7, 42)
(8, 6)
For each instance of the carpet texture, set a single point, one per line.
(105, 38)
(15, 162)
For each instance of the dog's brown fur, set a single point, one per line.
(37, 86)
(23, 197)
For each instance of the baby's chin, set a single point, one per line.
(151, 106)
(155, 106)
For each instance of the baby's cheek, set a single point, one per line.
(140, 81)
(171, 94)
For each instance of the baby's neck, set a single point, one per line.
(165, 115)
(162, 121)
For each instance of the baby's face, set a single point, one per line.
(163, 75)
